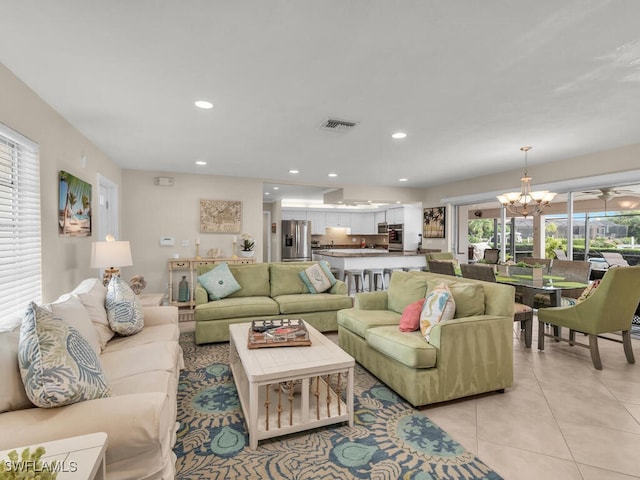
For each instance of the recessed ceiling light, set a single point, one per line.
(276, 188)
(332, 175)
(200, 162)
(403, 179)
(203, 104)
(398, 135)
(267, 193)
(294, 171)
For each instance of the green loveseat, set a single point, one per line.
(471, 354)
(269, 291)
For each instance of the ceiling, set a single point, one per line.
(469, 82)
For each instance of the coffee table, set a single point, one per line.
(285, 390)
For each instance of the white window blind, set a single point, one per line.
(20, 257)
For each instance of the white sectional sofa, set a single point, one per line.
(142, 372)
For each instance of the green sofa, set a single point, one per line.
(269, 291)
(471, 354)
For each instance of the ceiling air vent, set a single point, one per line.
(336, 125)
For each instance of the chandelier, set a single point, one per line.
(525, 202)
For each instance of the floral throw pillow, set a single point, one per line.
(57, 365)
(318, 277)
(124, 310)
(438, 307)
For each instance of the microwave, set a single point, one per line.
(383, 228)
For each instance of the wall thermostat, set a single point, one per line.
(167, 241)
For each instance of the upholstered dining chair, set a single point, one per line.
(608, 309)
(521, 313)
(441, 266)
(571, 271)
(440, 256)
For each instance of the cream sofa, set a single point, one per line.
(139, 416)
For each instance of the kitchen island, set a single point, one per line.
(370, 258)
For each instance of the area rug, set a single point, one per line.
(389, 439)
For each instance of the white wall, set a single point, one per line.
(151, 212)
(65, 260)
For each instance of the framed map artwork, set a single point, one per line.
(220, 216)
(433, 224)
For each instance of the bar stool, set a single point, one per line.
(388, 272)
(357, 277)
(374, 274)
(336, 272)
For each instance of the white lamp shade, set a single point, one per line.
(110, 254)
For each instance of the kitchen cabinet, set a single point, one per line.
(395, 215)
(338, 219)
(379, 217)
(294, 215)
(318, 222)
(363, 224)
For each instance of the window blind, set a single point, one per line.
(20, 251)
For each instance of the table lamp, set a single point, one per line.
(110, 255)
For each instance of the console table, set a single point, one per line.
(188, 267)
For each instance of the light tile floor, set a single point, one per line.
(562, 419)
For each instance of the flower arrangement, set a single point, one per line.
(27, 465)
(247, 242)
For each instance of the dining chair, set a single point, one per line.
(440, 256)
(492, 255)
(608, 309)
(571, 271)
(521, 313)
(441, 266)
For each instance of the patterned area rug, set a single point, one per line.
(389, 439)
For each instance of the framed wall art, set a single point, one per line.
(433, 223)
(74, 206)
(220, 216)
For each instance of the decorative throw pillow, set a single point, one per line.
(588, 291)
(92, 293)
(219, 282)
(410, 319)
(318, 277)
(70, 309)
(438, 307)
(124, 309)
(57, 365)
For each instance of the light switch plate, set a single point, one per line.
(167, 241)
(184, 243)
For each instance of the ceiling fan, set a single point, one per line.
(607, 193)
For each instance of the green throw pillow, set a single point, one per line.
(57, 365)
(219, 282)
(318, 277)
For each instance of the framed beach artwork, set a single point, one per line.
(74, 206)
(433, 224)
(220, 216)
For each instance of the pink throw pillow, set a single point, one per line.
(410, 319)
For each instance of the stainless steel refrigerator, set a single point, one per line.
(296, 240)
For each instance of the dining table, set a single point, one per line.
(553, 285)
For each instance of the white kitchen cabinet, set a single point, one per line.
(379, 217)
(395, 215)
(318, 222)
(338, 219)
(363, 224)
(294, 214)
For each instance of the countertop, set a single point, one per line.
(367, 252)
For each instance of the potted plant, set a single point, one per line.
(247, 245)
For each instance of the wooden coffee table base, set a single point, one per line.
(290, 389)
